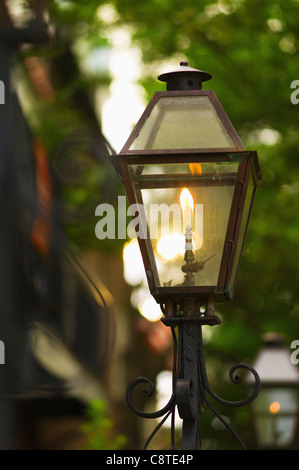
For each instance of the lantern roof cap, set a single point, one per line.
(273, 363)
(274, 339)
(184, 78)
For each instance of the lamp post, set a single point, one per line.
(192, 183)
(276, 410)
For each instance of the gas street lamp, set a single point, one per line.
(276, 410)
(191, 182)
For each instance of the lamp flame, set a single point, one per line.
(195, 168)
(274, 407)
(186, 200)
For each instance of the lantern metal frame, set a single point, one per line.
(126, 150)
(249, 166)
(226, 285)
(182, 305)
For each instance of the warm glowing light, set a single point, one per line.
(150, 310)
(187, 205)
(186, 200)
(133, 264)
(195, 168)
(171, 245)
(274, 407)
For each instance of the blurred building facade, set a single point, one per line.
(57, 317)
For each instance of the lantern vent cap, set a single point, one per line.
(184, 78)
(273, 340)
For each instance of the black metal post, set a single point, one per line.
(189, 392)
(189, 384)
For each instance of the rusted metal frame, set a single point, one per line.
(229, 238)
(178, 294)
(144, 157)
(146, 113)
(241, 241)
(217, 105)
(145, 245)
(151, 183)
(202, 177)
(161, 293)
(231, 224)
(250, 171)
(257, 175)
(226, 121)
(238, 249)
(225, 157)
(212, 151)
(186, 106)
(175, 177)
(154, 130)
(235, 228)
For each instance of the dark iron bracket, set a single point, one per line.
(190, 383)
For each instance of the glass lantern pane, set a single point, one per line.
(187, 207)
(181, 122)
(243, 228)
(276, 416)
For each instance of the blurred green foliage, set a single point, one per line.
(99, 429)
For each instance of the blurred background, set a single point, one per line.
(76, 317)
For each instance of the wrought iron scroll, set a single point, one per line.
(150, 389)
(181, 387)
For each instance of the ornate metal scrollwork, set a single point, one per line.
(150, 389)
(148, 392)
(190, 386)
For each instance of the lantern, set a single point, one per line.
(190, 183)
(276, 410)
